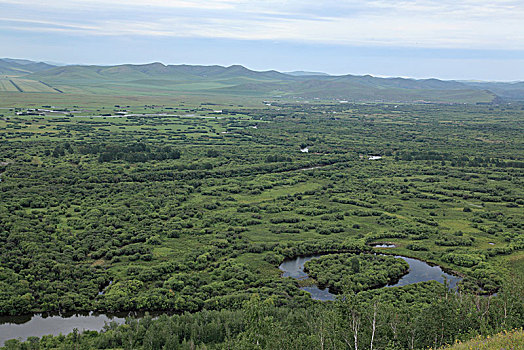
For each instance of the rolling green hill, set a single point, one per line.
(157, 79)
(509, 91)
(9, 66)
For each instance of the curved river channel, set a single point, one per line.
(419, 271)
(37, 325)
(22, 327)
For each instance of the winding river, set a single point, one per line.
(37, 325)
(22, 327)
(419, 271)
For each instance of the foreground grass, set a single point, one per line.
(505, 340)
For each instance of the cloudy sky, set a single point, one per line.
(450, 39)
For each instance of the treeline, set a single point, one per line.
(277, 158)
(459, 161)
(414, 317)
(135, 152)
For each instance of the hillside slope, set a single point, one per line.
(157, 79)
(509, 91)
(10, 66)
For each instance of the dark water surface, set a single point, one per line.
(295, 268)
(22, 327)
(419, 271)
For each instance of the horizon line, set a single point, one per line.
(314, 73)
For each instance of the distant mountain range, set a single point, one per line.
(300, 73)
(26, 76)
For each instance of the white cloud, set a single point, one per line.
(470, 24)
(60, 4)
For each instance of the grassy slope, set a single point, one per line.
(158, 80)
(513, 340)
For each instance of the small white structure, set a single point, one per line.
(375, 157)
(304, 150)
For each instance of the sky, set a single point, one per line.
(446, 39)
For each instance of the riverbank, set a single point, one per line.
(419, 271)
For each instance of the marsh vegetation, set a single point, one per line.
(185, 213)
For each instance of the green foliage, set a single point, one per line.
(173, 207)
(355, 272)
(415, 317)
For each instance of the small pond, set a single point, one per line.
(419, 271)
(384, 245)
